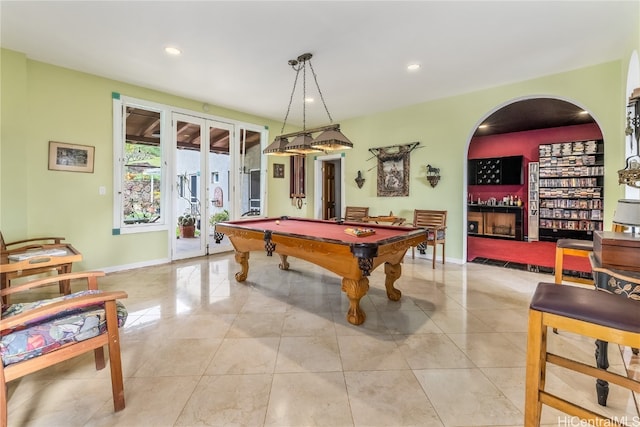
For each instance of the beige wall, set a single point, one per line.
(41, 102)
(444, 129)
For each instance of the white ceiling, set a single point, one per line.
(235, 53)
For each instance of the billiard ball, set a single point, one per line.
(277, 222)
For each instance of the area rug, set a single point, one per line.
(529, 253)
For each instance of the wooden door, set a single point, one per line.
(328, 190)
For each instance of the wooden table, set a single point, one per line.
(326, 244)
(388, 219)
(617, 250)
(619, 282)
(18, 263)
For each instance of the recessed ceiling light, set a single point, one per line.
(584, 112)
(483, 126)
(172, 50)
(309, 100)
(413, 67)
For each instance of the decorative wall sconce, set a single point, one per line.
(630, 175)
(359, 179)
(433, 175)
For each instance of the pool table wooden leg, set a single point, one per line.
(392, 272)
(284, 264)
(355, 289)
(242, 258)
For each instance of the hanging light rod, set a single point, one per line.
(315, 130)
(330, 137)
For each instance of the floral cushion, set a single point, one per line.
(438, 233)
(51, 332)
(422, 247)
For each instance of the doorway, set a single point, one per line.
(519, 128)
(329, 186)
(218, 177)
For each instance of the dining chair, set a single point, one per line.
(435, 223)
(355, 213)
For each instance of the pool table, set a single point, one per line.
(326, 244)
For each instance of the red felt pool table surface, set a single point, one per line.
(325, 243)
(332, 230)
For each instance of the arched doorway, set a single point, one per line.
(500, 213)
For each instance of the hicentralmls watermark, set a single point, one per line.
(568, 421)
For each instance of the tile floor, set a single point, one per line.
(200, 349)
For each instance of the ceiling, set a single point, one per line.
(235, 53)
(530, 114)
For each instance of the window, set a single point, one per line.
(138, 154)
(151, 186)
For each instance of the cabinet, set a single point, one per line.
(570, 189)
(495, 171)
(498, 221)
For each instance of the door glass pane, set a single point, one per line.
(188, 207)
(142, 176)
(250, 166)
(219, 190)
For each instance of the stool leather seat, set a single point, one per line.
(589, 305)
(581, 245)
(603, 316)
(571, 247)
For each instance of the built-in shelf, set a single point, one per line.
(570, 189)
(533, 202)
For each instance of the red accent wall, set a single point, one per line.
(525, 144)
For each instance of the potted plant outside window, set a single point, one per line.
(216, 218)
(219, 217)
(187, 225)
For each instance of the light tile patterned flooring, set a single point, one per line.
(200, 349)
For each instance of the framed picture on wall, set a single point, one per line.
(393, 173)
(278, 170)
(70, 157)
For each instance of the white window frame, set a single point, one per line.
(119, 106)
(166, 222)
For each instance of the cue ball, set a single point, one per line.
(277, 222)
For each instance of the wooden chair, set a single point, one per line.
(71, 317)
(574, 247)
(26, 244)
(600, 315)
(435, 223)
(355, 213)
(34, 242)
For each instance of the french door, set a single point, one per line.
(218, 177)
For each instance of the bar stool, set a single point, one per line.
(574, 247)
(586, 312)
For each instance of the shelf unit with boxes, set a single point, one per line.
(570, 189)
(534, 202)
